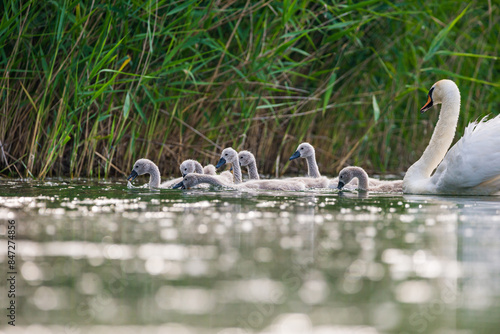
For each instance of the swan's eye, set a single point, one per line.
(185, 169)
(301, 148)
(136, 166)
(341, 176)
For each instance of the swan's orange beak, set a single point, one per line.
(427, 106)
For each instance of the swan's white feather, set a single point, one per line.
(472, 165)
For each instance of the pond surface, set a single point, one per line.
(96, 257)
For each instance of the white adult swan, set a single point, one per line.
(471, 166)
(194, 179)
(349, 173)
(247, 159)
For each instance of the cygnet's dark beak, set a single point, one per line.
(295, 155)
(221, 162)
(231, 169)
(132, 176)
(179, 185)
(341, 185)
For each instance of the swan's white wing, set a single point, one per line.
(474, 161)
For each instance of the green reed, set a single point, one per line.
(87, 88)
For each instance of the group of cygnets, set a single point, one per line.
(470, 167)
(194, 174)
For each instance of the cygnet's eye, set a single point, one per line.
(225, 154)
(137, 166)
(185, 169)
(341, 176)
(301, 148)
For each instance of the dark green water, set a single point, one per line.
(96, 257)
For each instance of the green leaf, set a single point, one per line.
(126, 105)
(103, 117)
(328, 92)
(376, 109)
(441, 36)
(139, 110)
(465, 54)
(454, 75)
(66, 139)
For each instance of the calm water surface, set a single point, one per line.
(96, 257)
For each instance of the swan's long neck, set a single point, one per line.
(362, 178)
(210, 179)
(440, 141)
(198, 168)
(312, 166)
(236, 170)
(154, 176)
(252, 171)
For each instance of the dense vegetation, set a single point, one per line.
(88, 87)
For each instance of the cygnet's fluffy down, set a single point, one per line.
(306, 151)
(146, 166)
(247, 159)
(312, 182)
(229, 155)
(349, 173)
(209, 170)
(284, 185)
(194, 179)
(189, 166)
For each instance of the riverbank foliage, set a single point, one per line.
(88, 87)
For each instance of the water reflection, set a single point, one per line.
(97, 257)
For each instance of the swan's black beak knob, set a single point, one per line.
(179, 185)
(132, 176)
(295, 155)
(341, 185)
(221, 162)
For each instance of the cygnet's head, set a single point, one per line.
(188, 181)
(141, 166)
(246, 158)
(303, 151)
(349, 173)
(187, 166)
(345, 176)
(228, 155)
(440, 91)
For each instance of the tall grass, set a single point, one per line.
(89, 87)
